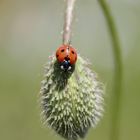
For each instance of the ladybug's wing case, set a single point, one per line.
(61, 53)
(72, 55)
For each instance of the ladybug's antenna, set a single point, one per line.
(68, 22)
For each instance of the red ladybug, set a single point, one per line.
(66, 56)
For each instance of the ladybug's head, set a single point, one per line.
(65, 65)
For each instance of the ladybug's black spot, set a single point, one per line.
(62, 50)
(57, 55)
(72, 52)
(67, 58)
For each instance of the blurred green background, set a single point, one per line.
(30, 31)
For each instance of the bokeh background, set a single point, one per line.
(30, 31)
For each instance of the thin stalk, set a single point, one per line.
(68, 21)
(117, 91)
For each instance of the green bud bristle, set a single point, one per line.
(72, 101)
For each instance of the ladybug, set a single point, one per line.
(66, 56)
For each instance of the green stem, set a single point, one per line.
(117, 91)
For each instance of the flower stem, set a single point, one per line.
(117, 91)
(68, 22)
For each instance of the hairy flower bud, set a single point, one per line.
(71, 101)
